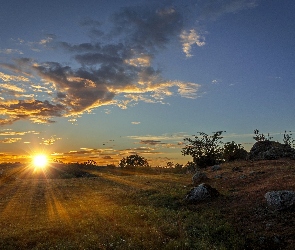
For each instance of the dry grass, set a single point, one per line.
(119, 209)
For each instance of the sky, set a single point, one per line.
(100, 80)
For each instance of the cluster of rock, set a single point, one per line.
(271, 150)
(277, 200)
(201, 192)
(280, 200)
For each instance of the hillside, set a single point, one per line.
(86, 207)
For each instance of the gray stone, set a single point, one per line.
(280, 200)
(216, 168)
(199, 177)
(271, 150)
(201, 193)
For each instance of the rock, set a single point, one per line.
(201, 193)
(271, 150)
(216, 168)
(199, 177)
(280, 200)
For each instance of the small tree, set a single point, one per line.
(233, 151)
(170, 164)
(133, 161)
(205, 149)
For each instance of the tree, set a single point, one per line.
(205, 149)
(233, 151)
(133, 161)
(261, 137)
(169, 164)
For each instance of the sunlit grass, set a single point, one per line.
(110, 211)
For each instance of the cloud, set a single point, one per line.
(188, 38)
(50, 141)
(11, 51)
(212, 9)
(151, 142)
(188, 90)
(113, 69)
(13, 133)
(12, 88)
(34, 110)
(163, 137)
(10, 140)
(8, 78)
(147, 28)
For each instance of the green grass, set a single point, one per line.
(115, 210)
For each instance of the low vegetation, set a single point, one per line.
(135, 206)
(144, 208)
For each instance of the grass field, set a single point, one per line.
(110, 208)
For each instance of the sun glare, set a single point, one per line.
(40, 161)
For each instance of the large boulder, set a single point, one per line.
(280, 200)
(201, 193)
(199, 177)
(271, 150)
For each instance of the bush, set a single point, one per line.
(133, 161)
(233, 151)
(205, 149)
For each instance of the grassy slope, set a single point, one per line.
(144, 210)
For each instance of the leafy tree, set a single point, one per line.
(133, 161)
(205, 149)
(233, 151)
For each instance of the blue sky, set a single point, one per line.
(104, 79)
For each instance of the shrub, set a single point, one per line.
(190, 167)
(233, 151)
(133, 161)
(205, 149)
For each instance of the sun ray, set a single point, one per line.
(40, 161)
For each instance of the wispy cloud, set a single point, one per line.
(10, 51)
(13, 133)
(10, 140)
(189, 38)
(50, 141)
(212, 9)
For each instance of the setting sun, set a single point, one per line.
(40, 161)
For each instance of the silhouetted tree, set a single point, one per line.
(205, 149)
(133, 161)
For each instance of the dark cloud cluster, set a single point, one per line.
(151, 142)
(34, 110)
